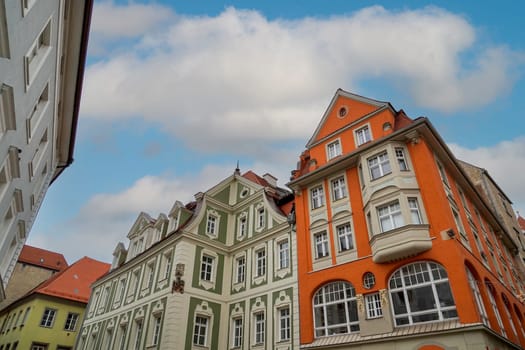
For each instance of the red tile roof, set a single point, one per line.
(43, 258)
(253, 177)
(74, 283)
(521, 222)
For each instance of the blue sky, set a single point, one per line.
(176, 92)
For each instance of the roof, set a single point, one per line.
(43, 258)
(74, 283)
(521, 222)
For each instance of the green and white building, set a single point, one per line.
(216, 273)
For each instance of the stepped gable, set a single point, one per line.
(43, 258)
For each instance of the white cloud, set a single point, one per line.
(505, 163)
(236, 78)
(107, 217)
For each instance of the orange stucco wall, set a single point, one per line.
(448, 252)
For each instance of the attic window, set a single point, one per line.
(343, 111)
(244, 193)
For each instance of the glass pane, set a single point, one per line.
(399, 303)
(450, 314)
(425, 318)
(335, 314)
(421, 299)
(444, 294)
(319, 317)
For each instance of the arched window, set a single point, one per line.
(492, 300)
(420, 292)
(335, 309)
(477, 296)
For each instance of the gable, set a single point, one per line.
(141, 222)
(344, 109)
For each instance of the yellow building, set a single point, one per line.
(48, 317)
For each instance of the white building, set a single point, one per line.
(217, 273)
(42, 53)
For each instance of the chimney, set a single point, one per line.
(272, 180)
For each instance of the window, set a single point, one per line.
(420, 292)
(237, 332)
(260, 218)
(317, 197)
(401, 158)
(206, 268)
(122, 289)
(35, 57)
(284, 324)
(390, 216)
(443, 175)
(333, 149)
(363, 135)
(167, 267)
(26, 314)
(138, 335)
(321, 245)
(335, 309)
(369, 280)
(495, 309)
(156, 330)
(71, 321)
(242, 226)
(346, 241)
(477, 296)
(122, 344)
(241, 269)
(509, 317)
(260, 263)
(338, 188)
(7, 113)
(200, 331)
(259, 327)
(415, 215)
(211, 225)
(459, 224)
(373, 305)
(379, 165)
(38, 346)
(48, 317)
(284, 255)
(151, 274)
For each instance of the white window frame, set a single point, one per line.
(401, 158)
(200, 330)
(285, 321)
(391, 214)
(207, 267)
(322, 247)
(283, 248)
(373, 306)
(212, 224)
(494, 306)
(317, 196)
(240, 269)
(71, 321)
(243, 225)
(422, 276)
(345, 237)
(260, 262)
(415, 212)
(138, 334)
(333, 149)
(157, 326)
(237, 332)
(259, 323)
(261, 217)
(338, 188)
(340, 294)
(379, 165)
(48, 318)
(363, 135)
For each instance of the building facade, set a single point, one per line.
(42, 52)
(34, 266)
(49, 316)
(397, 247)
(216, 273)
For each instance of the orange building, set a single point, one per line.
(396, 247)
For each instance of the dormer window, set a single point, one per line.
(333, 149)
(212, 224)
